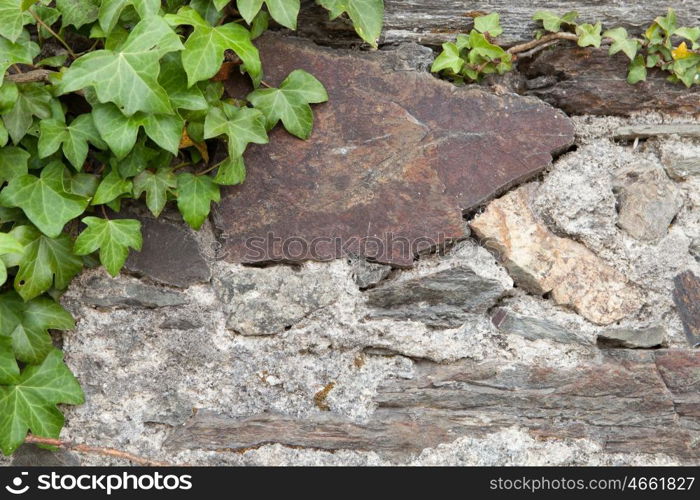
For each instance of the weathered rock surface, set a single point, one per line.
(436, 21)
(619, 401)
(633, 338)
(367, 274)
(588, 81)
(686, 295)
(170, 254)
(647, 201)
(30, 455)
(629, 132)
(386, 174)
(533, 328)
(542, 262)
(681, 159)
(104, 292)
(443, 295)
(269, 300)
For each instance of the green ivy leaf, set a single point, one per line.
(9, 370)
(32, 100)
(668, 23)
(110, 10)
(637, 70)
(4, 135)
(28, 324)
(111, 187)
(490, 24)
(204, 48)
(589, 35)
(44, 199)
(367, 16)
(8, 244)
(13, 163)
(84, 185)
(449, 58)
(12, 19)
(285, 12)
(137, 160)
(127, 76)
(194, 196)
(692, 34)
(29, 404)
(46, 262)
(290, 103)
(113, 238)
(120, 132)
(552, 22)
(157, 185)
(174, 80)
(22, 52)
(74, 138)
(621, 43)
(230, 172)
(78, 12)
(482, 49)
(259, 25)
(241, 125)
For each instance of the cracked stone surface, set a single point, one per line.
(442, 294)
(641, 338)
(543, 263)
(648, 201)
(379, 155)
(190, 374)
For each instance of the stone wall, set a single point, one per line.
(555, 326)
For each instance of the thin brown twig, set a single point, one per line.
(535, 50)
(206, 171)
(97, 450)
(35, 75)
(527, 46)
(53, 33)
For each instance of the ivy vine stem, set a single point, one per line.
(541, 43)
(53, 33)
(108, 452)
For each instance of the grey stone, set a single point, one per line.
(411, 57)
(367, 274)
(266, 301)
(467, 282)
(695, 248)
(531, 328)
(105, 292)
(170, 254)
(681, 159)
(648, 201)
(180, 324)
(29, 455)
(658, 129)
(633, 338)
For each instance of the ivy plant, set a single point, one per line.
(664, 45)
(107, 100)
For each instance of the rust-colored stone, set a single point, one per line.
(395, 157)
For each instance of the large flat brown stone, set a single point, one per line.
(396, 156)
